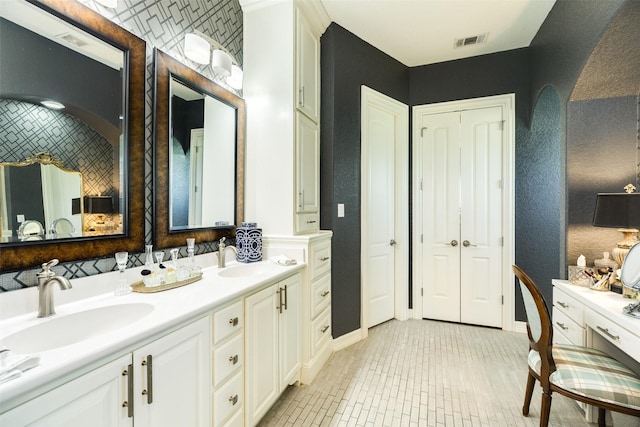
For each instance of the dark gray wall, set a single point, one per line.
(555, 59)
(347, 64)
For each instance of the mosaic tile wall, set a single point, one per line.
(162, 24)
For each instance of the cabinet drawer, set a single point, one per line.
(227, 359)
(321, 330)
(320, 295)
(227, 399)
(307, 222)
(612, 332)
(567, 327)
(236, 421)
(320, 259)
(568, 305)
(227, 321)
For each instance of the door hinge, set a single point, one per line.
(501, 125)
(422, 132)
(502, 302)
(421, 292)
(421, 238)
(501, 184)
(421, 188)
(502, 241)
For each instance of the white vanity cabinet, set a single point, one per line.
(282, 83)
(272, 345)
(227, 349)
(568, 318)
(94, 399)
(171, 378)
(164, 383)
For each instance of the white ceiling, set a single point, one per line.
(419, 32)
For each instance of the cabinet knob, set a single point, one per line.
(324, 294)
(324, 329)
(233, 399)
(233, 321)
(233, 359)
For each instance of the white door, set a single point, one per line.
(461, 161)
(195, 177)
(384, 124)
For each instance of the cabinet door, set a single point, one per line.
(173, 379)
(261, 353)
(95, 399)
(307, 165)
(307, 68)
(289, 331)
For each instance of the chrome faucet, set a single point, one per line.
(222, 250)
(45, 294)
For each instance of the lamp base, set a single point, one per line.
(622, 248)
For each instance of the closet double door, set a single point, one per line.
(459, 166)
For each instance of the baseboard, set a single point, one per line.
(310, 369)
(520, 327)
(346, 340)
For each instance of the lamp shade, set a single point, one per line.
(617, 210)
(196, 48)
(98, 204)
(221, 63)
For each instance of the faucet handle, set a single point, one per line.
(221, 244)
(46, 268)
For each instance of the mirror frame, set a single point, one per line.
(33, 254)
(165, 68)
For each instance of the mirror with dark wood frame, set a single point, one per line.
(123, 128)
(198, 159)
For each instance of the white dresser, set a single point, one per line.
(594, 319)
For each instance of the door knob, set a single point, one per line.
(392, 242)
(467, 243)
(454, 243)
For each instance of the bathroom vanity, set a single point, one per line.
(178, 358)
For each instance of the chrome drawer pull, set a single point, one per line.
(324, 329)
(563, 305)
(562, 326)
(324, 258)
(233, 321)
(233, 359)
(324, 294)
(311, 222)
(129, 402)
(607, 333)
(233, 399)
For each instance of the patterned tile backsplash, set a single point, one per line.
(162, 24)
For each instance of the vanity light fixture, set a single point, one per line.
(54, 105)
(197, 48)
(621, 211)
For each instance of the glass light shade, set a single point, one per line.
(221, 63)
(235, 79)
(196, 48)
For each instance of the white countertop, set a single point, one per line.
(599, 301)
(171, 309)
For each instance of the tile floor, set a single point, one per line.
(422, 373)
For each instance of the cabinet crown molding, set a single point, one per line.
(313, 10)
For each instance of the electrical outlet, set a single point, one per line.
(340, 210)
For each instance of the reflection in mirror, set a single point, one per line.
(203, 132)
(630, 272)
(62, 51)
(37, 199)
(199, 156)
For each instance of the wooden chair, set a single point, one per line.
(580, 373)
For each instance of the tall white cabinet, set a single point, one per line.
(281, 49)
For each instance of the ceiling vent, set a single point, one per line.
(72, 39)
(471, 40)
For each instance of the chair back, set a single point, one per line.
(539, 326)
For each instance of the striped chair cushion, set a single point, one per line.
(591, 373)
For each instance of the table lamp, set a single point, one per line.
(98, 205)
(621, 211)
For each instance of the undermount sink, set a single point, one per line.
(243, 270)
(72, 328)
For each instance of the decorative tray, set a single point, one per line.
(140, 287)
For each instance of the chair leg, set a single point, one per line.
(545, 409)
(531, 382)
(601, 417)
